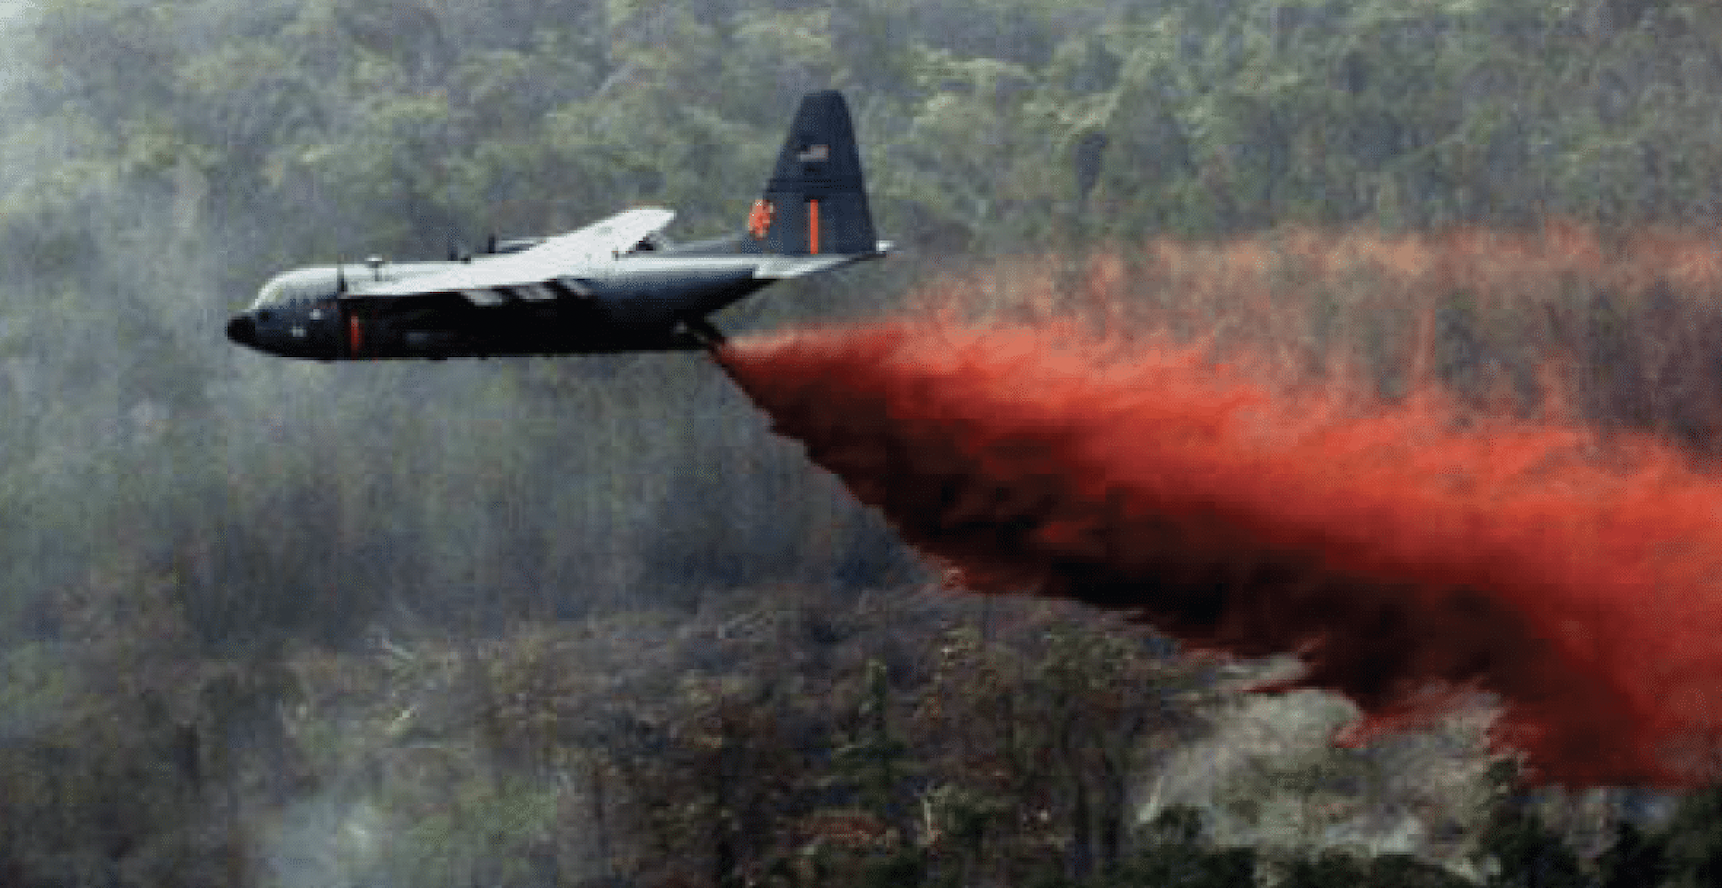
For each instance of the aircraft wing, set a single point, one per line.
(556, 257)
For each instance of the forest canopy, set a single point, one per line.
(237, 595)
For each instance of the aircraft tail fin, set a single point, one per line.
(816, 200)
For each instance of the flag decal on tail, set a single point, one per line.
(814, 153)
(759, 218)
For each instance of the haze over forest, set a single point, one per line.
(585, 621)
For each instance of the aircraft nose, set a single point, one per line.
(243, 330)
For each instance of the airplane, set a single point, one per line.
(617, 285)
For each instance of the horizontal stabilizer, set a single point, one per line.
(785, 267)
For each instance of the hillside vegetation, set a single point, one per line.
(585, 621)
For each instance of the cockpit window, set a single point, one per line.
(298, 286)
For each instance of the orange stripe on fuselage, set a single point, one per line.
(355, 335)
(813, 227)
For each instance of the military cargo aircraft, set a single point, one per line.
(616, 285)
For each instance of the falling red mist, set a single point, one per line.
(1409, 555)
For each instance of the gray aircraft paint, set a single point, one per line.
(616, 285)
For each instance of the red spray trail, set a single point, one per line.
(1405, 555)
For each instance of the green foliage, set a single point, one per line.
(200, 549)
(1334, 870)
(873, 762)
(1690, 847)
(172, 156)
(1527, 853)
(1634, 859)
(1178, 857)
(481, 832)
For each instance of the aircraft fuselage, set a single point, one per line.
(650, 302)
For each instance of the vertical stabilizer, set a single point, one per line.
(816, 201)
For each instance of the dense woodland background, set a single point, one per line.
(584, 621)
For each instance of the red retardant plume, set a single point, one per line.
(1409, 553)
